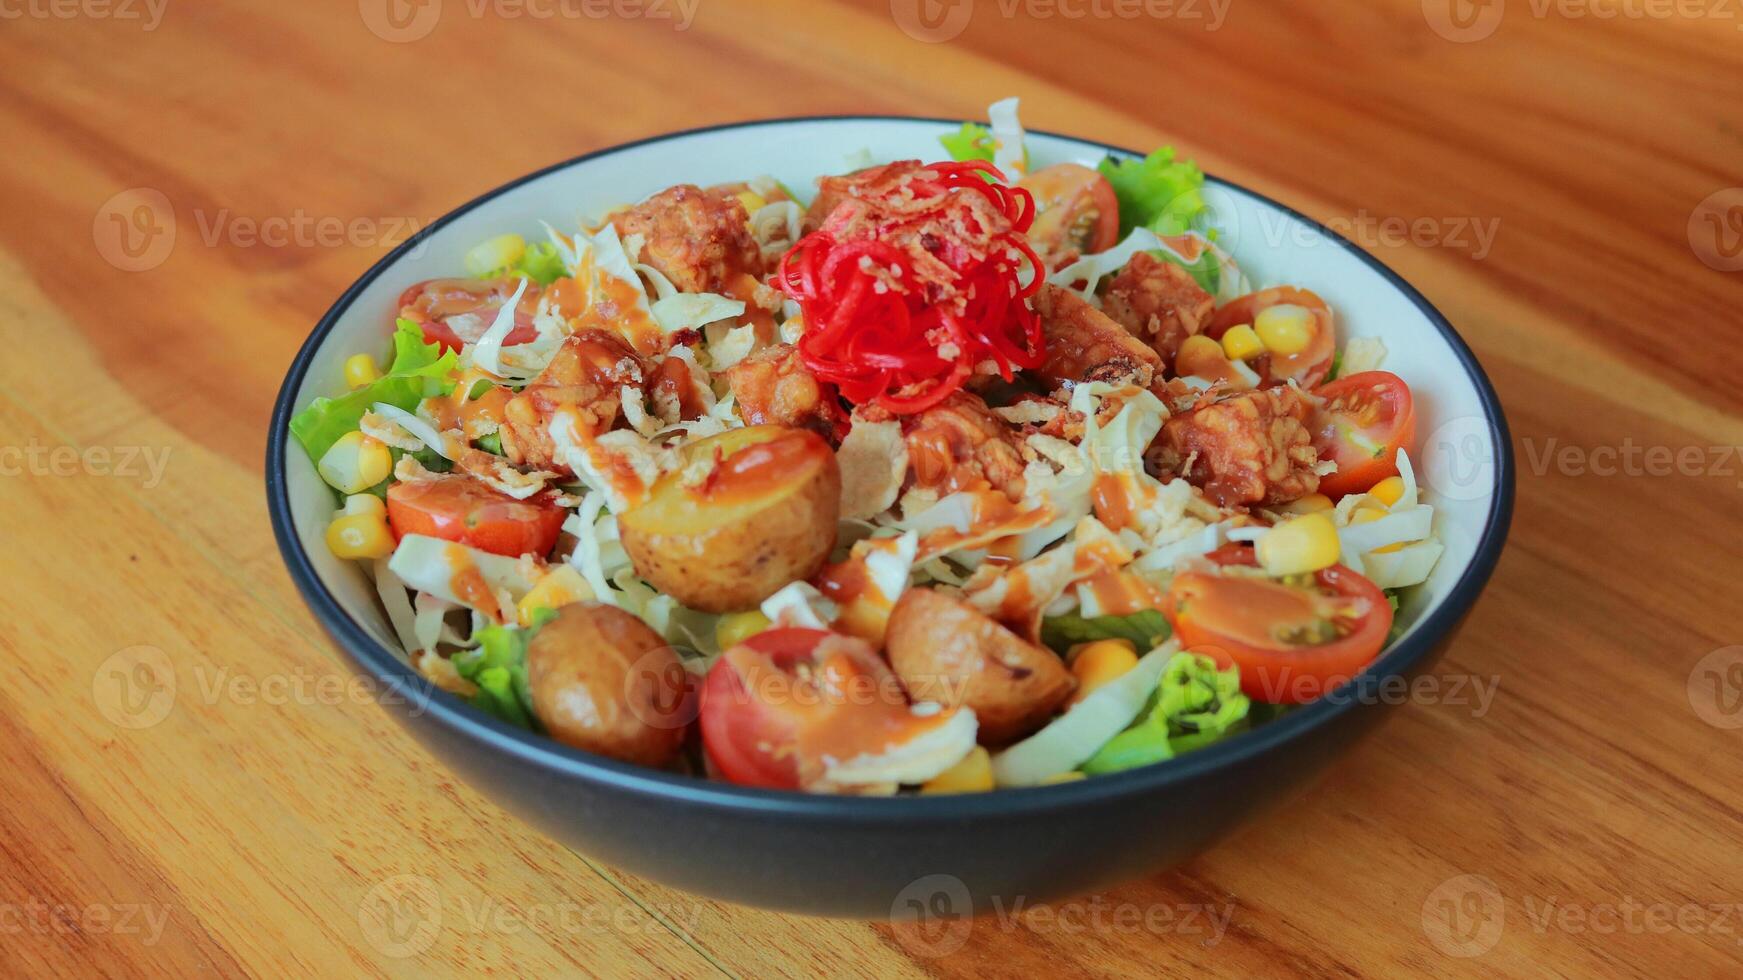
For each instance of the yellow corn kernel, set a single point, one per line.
(735, 628)
(974, 774)
(1310, 504)
(1299, 545)
(360, 370)
(365, 503)
(751, 200)
(1285, 329)
(1065, 777)
(1241, 343)
(360, 532)
(558, 588)
(495, 253)
(1097, 663)
(1388, 491)
(1199, 347)
(355, 463)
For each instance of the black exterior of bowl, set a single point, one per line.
(884, 858)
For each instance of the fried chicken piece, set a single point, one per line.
(960, 443)
(1084, 344)
(1159, 302)
(585, 375)
(774, 386)
(699, 239)
(831, 191)
(1251, 448)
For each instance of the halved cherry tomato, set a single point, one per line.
(1365, 419)
(1076, 212)
(781, 704)
(455, 312)
(750, 741)
(470, 511)
(1307, 368)
(1292, 643)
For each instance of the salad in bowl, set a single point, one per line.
(938, 476)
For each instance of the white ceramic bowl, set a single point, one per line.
(1463, 459)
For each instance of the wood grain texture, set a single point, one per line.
(267, 818)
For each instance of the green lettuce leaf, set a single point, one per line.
(1207, 271)
(498, 666)
(1194, 705)
(419, 371)
(1158, 192)
(1145, 629)
(542, 263)
(972, 142)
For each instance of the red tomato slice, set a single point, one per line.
(1076, 212)
(1307, 368)
(455, 312)
(749, 741)
(1365, 419)
(467, 510)
(1292, 644)
(776, 707)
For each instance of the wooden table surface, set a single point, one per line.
(195, 787)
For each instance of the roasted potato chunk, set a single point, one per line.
(947, 651)
(747, 512)
(1083, 344)
(602, 681)
(1252, 448)
(699, 239)
(1159, 302)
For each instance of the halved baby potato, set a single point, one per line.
(946, 650)
(747, 512)
(603, 681)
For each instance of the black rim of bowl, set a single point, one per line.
(400, 677)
